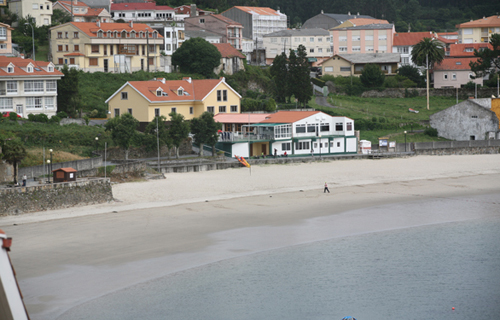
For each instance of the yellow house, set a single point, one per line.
(478, 31)
(352, 64)
(158, 97)
(106, 47)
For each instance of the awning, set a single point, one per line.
(312, 59)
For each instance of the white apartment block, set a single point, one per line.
(38, 10)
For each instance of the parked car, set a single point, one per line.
(7, 114)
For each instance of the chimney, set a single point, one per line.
(131, 23)
(322, 12)
(163, 80)
(349, 13)
(358, 14)
(194, 13)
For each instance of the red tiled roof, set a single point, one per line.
(91, 28)
(228, 51)
(288, 116)
(226, 19)
(138, 6)
(454, 64)
(492, 21)
(449, 41)
(77, 4)
(20, 63)
(263, 11)
(459, 49)
(65, 170)
(410, 38)
(196, 90)
(91, 12)
(365, 21)
(240, 117)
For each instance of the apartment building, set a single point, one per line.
(367, 38)
(39, 10)
(81, 12)
(230, 31)
(106, 47)
(28, 87)
(480, 30)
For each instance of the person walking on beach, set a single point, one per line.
(326, 188)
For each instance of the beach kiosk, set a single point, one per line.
(64, 175)
(383, 144)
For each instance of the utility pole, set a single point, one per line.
(147, 47)
(427, 72)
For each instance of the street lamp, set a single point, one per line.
(33, 37)
(147, 48)
(96, 142)
(48, 166)
(405, 140)
(50, 162)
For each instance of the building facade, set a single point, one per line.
(318, 43)
(370, 38)
(353, 64)
(404, 41)
(232, 60)
(28, 87)
(454, 73)
(142, 12)
(6, 40)
(158, 97)
(479, 30)
(230, 31)
(40, 12)
(329, 21)
(257, 21)
(106, 47)
(81, 12)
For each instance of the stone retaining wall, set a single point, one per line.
(54, 196)
(79, 165)
(422, 92)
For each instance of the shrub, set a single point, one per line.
(62, 114)
(55, 119)
(470, 85)
(431, 132)
(13, 116)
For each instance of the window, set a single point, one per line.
(274, 51)
(93, 62)
(6, 104)
(173, 110)
(453, 76)
(77, 9)
(158, 93)
(157, 112)
(49, 102)
(369, 48)
(402, 49)
(234, 108)
(60, 61)
(474, 117)
(320, 50)
(66, 34)
(349, 126)
(343, 49)
(302, 145)
(67, 48)
(10, 69)
(468, 31)
(3, 46)
(3, 32)
(124, 95)
(50, 69)
(445, 76)
(95, 48)
(311, 39)
(274, 40)
(472, 137)
(75, 35)
(191, 110)
(300, 128)
(34, 102)
(76, 48)
(339, 126)
(151, 61)
(51, 85)
(129, 111)
(471, 75)
(405, 60)
(222, 109)
(180, 92)
(356, 38)
(311, 50)
(60, 48)
(11, 86)
(202, 20)
(33, 86)
(342, 38)
(382, 37)
(71, 60)
(328, 69)
(338, 144)
(368, 38)
(382, 48)
(286, 146)
(345, 69)
(35, 6)
(117, 112)
(356, 49)
(210, 109)
(325, 127)
(320, 39)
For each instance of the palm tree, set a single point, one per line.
(426, 53)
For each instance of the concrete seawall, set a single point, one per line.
(54, 196)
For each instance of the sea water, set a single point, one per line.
(442, 271)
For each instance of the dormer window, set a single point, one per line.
(180, 92)
(50, 69)
(99, 34)
(30, 69)
(10, 69)
(159, 92)
(109, 34)
(124, 34)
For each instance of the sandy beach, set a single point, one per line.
(191, 219)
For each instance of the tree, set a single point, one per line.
(13, 152)
(488, 61)
(279, 74)
(122, 130)
(178, 131)
(197, 55)
(372, 76)
(205, 131)
(426, 53)
(411, 73)
(154, 139)
(67, 91)
(299, 82)
(60, 17)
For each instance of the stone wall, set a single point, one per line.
(446, 147)
(79, 165)
(55, 196)
(131, 166)
(400, 93)
(140, 153)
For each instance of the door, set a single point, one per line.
(105, 65)
(264, 149)
(19, 109)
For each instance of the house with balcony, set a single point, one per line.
(318, 44)
(6, 40)
(81, 12)
(478, 31)
(257, 21)
(105, 47)
(404, 41)
(159, 97)
(232, 60)
(40, 11)
(144, 12)
(353, 64)
(298, 133)
(365, 38)
(230, 31)
(454, 73)
(28, 87)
